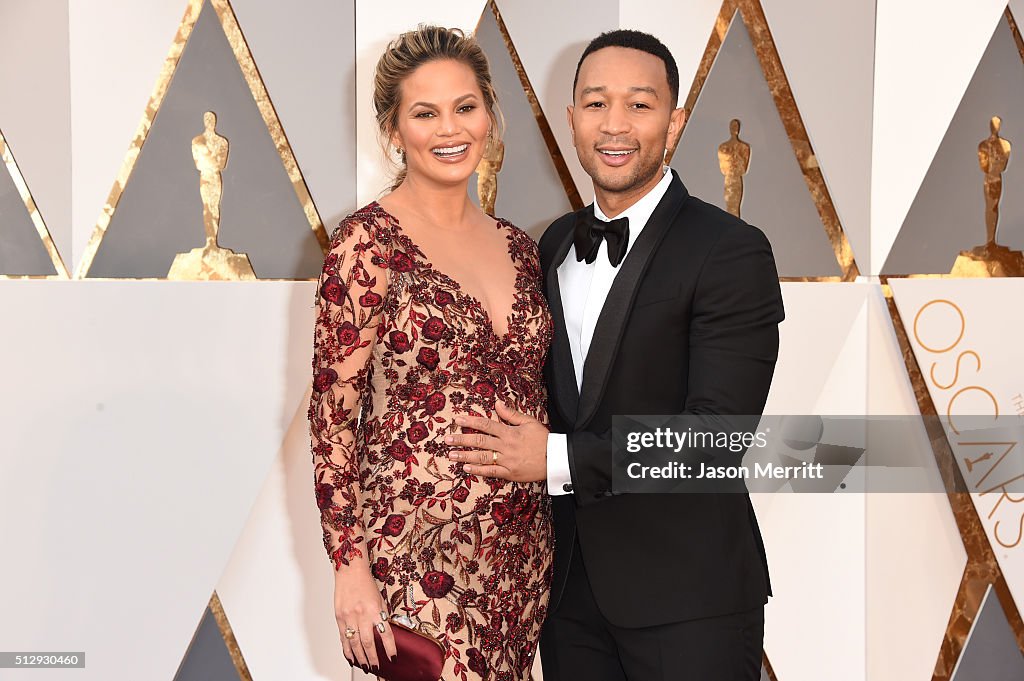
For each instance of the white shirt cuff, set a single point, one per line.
(559, 478)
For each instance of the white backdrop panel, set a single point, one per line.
(814, 624)
(915, 557)
(287, 631)
(35, 111)
(138, 421)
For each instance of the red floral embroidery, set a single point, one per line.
(400, 350)
(437, 584)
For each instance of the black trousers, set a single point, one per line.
(577, 642)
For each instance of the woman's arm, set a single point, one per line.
(349, 302)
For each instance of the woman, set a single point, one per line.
(427, 308)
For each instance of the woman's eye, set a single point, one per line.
(424, 114)
(466, 108)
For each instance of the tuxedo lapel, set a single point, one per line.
(567, 394)
(611, 323)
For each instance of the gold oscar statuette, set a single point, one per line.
(210, 153)
(487, 174)
(733, 161)
(991, 259)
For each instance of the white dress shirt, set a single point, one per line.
(584, 288)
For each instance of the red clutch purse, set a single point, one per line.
(420, 657)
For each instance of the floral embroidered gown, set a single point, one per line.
(399, 351)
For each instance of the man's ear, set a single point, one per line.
(675, 126)
(568, 118)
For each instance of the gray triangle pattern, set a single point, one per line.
(21, 250)
(529, 187)
(160, 211)
(948, 213)
(207, 658)
(990, 652)
(776, 197)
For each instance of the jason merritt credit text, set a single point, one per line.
(682, 471)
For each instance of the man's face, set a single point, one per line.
(623, 118)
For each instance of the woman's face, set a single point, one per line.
(442, 123)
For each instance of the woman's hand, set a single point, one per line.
(358, 605)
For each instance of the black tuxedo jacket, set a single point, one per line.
(690, 326)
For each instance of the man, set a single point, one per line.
(663, 304)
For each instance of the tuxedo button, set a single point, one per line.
(567, 488)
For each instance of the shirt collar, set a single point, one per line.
(640, 212)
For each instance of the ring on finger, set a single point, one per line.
(494, 458)
(380, 627)
(350, 632)
(383, 616)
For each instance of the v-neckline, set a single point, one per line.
(475, 302)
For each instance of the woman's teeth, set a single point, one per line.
(451, 151)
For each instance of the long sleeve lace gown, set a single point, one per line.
(400, 350)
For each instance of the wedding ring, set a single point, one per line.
(350, 632)
(380, 627)
(383, 616)
(494, 458)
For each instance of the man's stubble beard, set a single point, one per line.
(645, 170)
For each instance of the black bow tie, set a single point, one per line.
(589, 232)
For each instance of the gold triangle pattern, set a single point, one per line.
(982, 567)
(229, 23)
(7, 157)
(564, 175)
(217, 608)
(771, 65)
(767, 666)
(1006, 263)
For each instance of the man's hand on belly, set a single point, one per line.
(515, 450)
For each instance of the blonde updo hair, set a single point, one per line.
(412, 50)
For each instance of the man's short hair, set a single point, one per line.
(636, 40)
